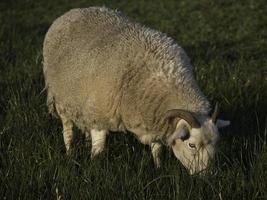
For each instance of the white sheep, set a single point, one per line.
(104, 72)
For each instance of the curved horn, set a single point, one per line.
(215, 113)
(186, 115)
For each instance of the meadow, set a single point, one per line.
(227, 43)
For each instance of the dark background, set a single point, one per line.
(227, 44)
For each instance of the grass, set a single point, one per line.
(226, 41)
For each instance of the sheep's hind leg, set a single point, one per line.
(67, 132)
(98, 141)
(156, 150)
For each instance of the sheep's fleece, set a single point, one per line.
(106, 72)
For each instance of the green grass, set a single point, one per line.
(227, 42)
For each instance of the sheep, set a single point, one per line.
(104, 72)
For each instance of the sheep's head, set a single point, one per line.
(194, 139)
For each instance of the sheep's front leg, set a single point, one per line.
(98, 141)
(156, 150)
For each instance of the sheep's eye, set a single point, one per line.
(192, 145)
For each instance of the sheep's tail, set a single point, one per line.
(50, 102)
(51, 105)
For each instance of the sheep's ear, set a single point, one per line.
(181, 133)
(222, 123)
